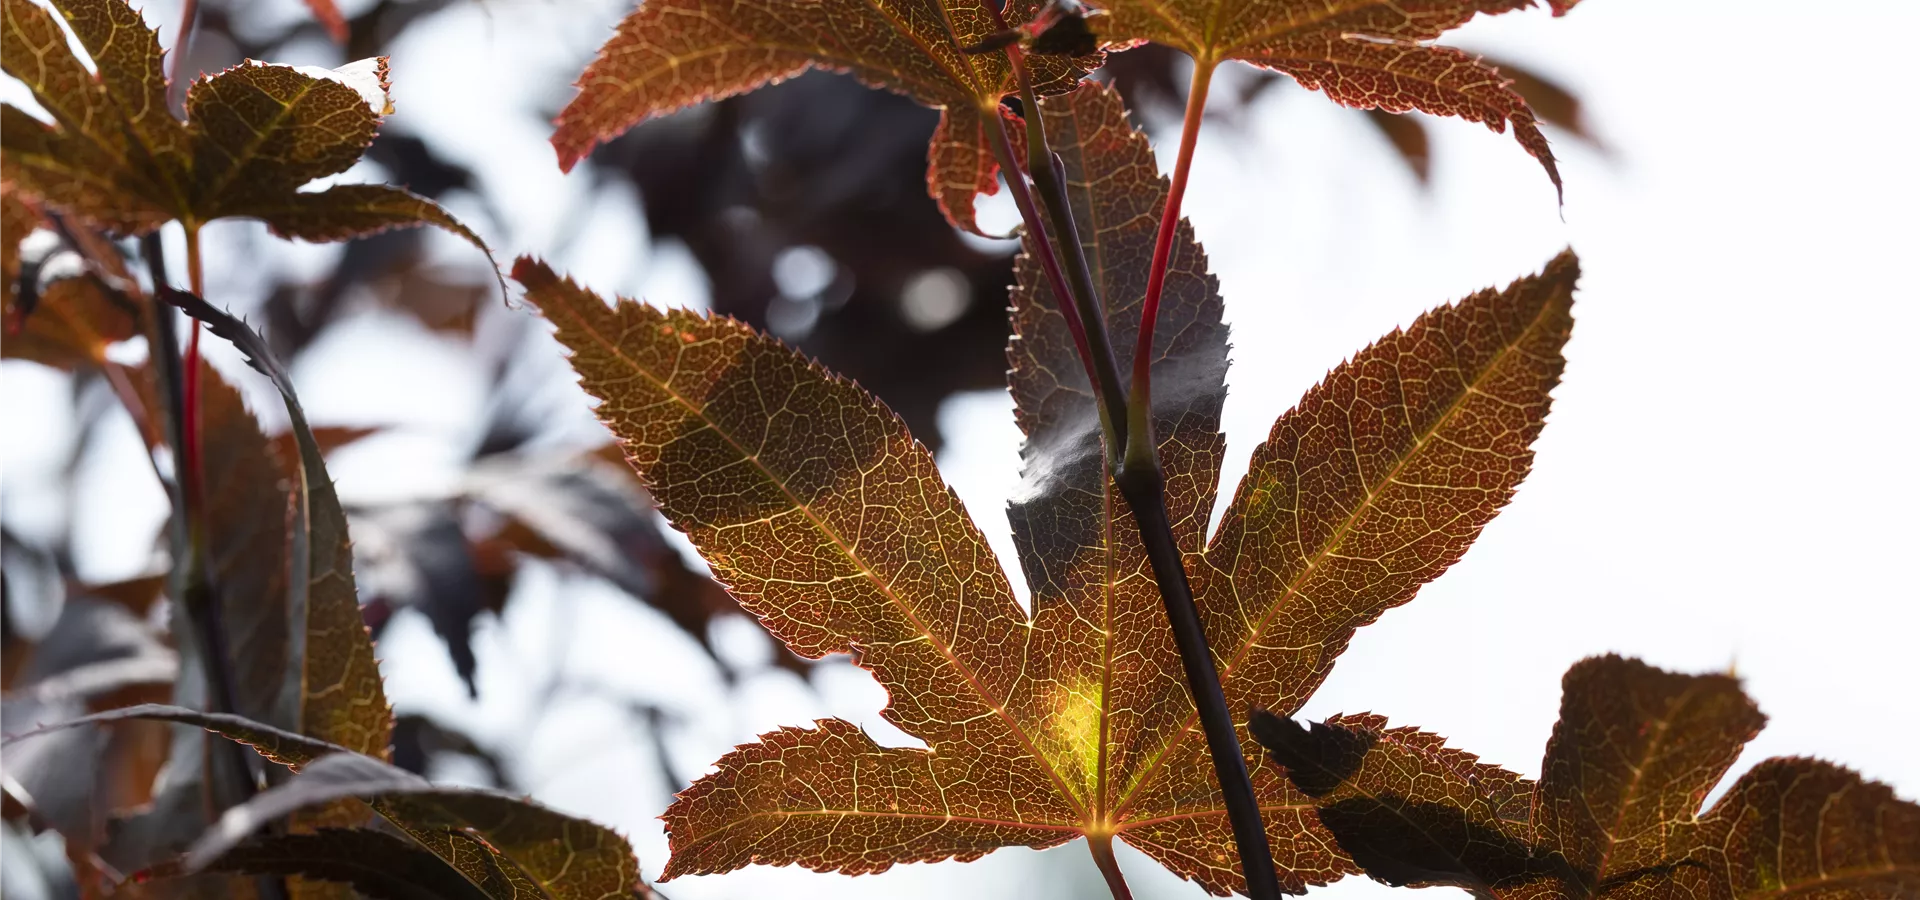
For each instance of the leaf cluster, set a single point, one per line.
(1617, 812)
(245, 749)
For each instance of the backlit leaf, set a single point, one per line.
(1371, 54)
(1617, 812)
(824, 518)
(1634, 754)
(255, 134)
(670, 54)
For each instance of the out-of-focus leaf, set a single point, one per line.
(73, 323)
(417, 555)
(17, 220)
(96, 655)
(135, 595)
(330, 18)
(1370, 54)
(255, 134)
(335, 693)
(823, 517)
(1554, 103)
(275, 744)
(593, 514)
(417, 739)
(669, 54)
(1409, 139)
(531, 847)
(1617, 811)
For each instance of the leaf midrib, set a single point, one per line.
(1630, 794)
(999, 709)
(260, 135)
(1326, 549)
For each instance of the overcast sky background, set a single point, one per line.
(1725, 481)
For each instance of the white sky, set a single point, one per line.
(1724, 481)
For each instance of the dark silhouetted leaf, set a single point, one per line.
(535, 852)
(377, 865)
(275, 744)
(670, 54)
(1617, 811)
(1370, 54)
(825, 519)
(417, 555)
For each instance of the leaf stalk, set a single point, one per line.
(1049, 176)
(1102, 847)
(1140, 440)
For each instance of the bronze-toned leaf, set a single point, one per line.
(670, 54)
(255, 134)
(1631, 760)
(1373, 485)
(824, 519)
(1616, 814)
(248, 545)
(92, 162)
(1369, 54)
(1408, 809)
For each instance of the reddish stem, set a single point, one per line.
(1163, 242)
(1102, 847)
(190, 467)
(189, 13)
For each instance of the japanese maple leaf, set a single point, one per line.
(255, 134)
(670, 54)
(1617, 811)
(826, 519)
(1368, 54)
